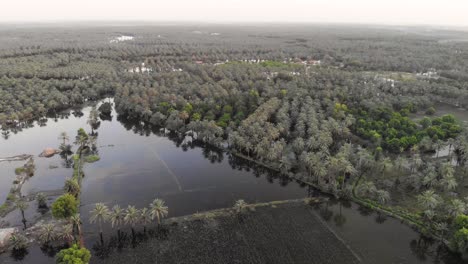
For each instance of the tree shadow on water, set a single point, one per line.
(19, 254)
(124, 240)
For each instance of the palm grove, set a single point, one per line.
(335, 109)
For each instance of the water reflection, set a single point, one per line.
(131, 171)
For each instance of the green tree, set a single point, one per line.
(429, 199)
(65, 206)
(73, 255)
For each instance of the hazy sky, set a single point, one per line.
(436, 12)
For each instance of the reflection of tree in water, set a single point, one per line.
(212, 154)
(380, 218)
(19, 254)
(119, 242)
(421, 247)
(324, 210)
(365, 211)
(51, 251)
(5, 134)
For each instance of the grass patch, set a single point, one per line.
(92, 158)
(19, 170)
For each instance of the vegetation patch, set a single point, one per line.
(263, 236)
(91, 158)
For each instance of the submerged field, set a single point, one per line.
(289, 232)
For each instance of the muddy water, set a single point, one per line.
(139, 164)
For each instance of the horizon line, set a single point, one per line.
(221, 22)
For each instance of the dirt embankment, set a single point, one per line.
(285, 232)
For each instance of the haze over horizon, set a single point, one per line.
(396, 12)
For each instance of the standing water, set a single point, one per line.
(139, 164)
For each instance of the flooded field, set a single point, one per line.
(139, 164)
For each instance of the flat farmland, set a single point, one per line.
(283, 233)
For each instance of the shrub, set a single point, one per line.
(73, 255)
(65, 206)
(430, 111)
(461, 221)
(18, 241)
(41, 200)
(19, 170)
(92, 158)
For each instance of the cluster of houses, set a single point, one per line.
(431, 74)
(140, 69)
(121, 38)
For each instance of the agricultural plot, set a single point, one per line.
(283, 233)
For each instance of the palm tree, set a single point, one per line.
(145, 218)
(22, 206)
(382, 196)
(384, 165)
(99, 214)
(449, 183)
(429, 200)
(47, 234)
(93, 119)
(81, 140)
(18, 241)
(72, 186)
(447, 169)
(456, 207)
(116, 218)
(132, 216)
(417, 162)
(75, 221)
(430, 177)
(400, 163)
(67, 234)
(158, 210)
(366, 189)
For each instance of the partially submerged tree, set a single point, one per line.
(65, 206)
(73, 255)
(22, 206)
(41, 201)
(132, 216)
(99, 215)
(158, 210)
(116, 218)
(47, 234)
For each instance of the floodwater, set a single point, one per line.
(139, 164)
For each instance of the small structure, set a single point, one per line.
(49, 152)
(122, 38)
